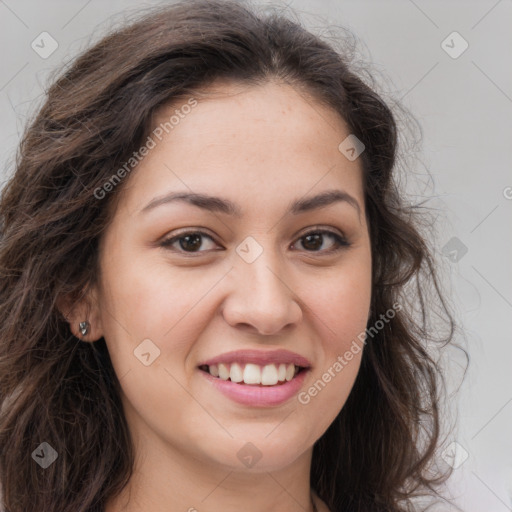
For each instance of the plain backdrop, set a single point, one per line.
(449, 64)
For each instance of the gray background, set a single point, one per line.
(464, 106)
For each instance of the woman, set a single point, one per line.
(206, 268)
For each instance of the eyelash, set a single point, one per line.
(340, 241)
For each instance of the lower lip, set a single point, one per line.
(258, 396)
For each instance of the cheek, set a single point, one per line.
(151, 299)
(339, 310)
(340, 304)
(145, 300)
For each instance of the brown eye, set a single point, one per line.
(189, 242)
(314, 240)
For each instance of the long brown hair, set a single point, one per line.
(378, 453)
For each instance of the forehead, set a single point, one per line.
(259, 145)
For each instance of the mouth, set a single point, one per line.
(257, 378)
(252, 374)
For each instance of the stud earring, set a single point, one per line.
(84, 327)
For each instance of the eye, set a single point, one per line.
(313, 240)
(189, 241)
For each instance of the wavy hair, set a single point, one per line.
(379, 452)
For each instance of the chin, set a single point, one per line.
(247, 453)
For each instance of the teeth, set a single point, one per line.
(252, 374)
(281, 373)
(290, 371)
(268, 375)
(223, 372)
(236, 373)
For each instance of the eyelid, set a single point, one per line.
(167, 241)
(323, 229)
(341, 240)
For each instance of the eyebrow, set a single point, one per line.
(221, 205)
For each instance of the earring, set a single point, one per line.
(84, 327)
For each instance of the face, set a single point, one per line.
(253, 284)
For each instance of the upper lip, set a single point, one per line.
(260, 357)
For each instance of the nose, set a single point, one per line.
(260, 299)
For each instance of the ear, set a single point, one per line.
(85, 308)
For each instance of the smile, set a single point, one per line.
(256, 378)
(254, 374)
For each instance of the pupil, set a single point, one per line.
(317, 241)
(187, 238)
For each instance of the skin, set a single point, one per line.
(261, 147)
